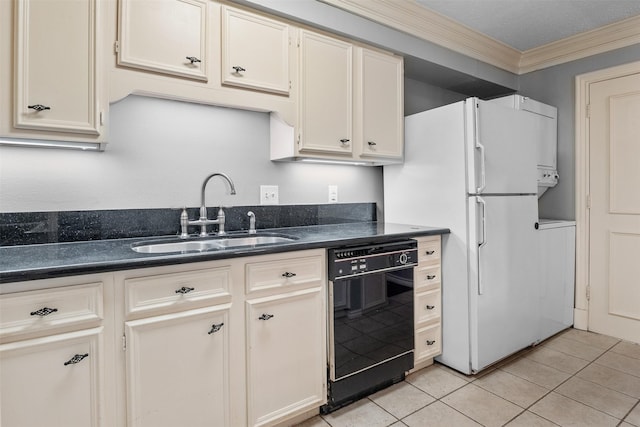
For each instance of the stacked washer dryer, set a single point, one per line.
(556, 243)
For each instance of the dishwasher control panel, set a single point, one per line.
(357, 260)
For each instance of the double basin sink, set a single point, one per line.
(210, 244)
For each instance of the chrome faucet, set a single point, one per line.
(203, 221)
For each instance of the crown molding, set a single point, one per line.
(609, 37)
(410, 17)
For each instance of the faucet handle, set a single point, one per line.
(184, 224)
(252, 222)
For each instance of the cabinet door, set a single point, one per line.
(255, 51)
(326, 95)
(167, 36)
(55, 66)
(286, 355)
(177, 369)
(381, 104)
(53, 381)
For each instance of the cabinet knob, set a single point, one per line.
(430, 307)
(76, 359)
(215, 328)
(431, 342)
(430, 252)
(288, 274)
(193, 59)
(431, 276)
(184, 290)
(45, 311)
(344, 141)
(38, 107)
(265, 316)
(239, 69)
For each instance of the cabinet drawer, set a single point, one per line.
(427, 277)
(428, 342)
(429, 250)
(428, 306)
(284, 273)
(50, 309)
(177, 291)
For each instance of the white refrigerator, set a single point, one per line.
(471, 167)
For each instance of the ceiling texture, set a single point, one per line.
(527, 24)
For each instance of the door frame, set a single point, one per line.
(582, 190)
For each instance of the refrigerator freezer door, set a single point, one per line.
(503, 287)
(501, 149)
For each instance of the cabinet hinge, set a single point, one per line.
(588, 111)
(101, 118)
(588, 201)
(116, 46)
(588, 292)
(289, 84)
(298, 141)
(124, 342)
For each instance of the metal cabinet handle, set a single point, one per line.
(431, 276)
(344, 141)
(193, 59)
(45, 311)
(431, 342)
(184, 290)
(215, 328)
(38, 107)
(265, 316)
(430, 252)
(371, 143)
(239, 69)
(430, 307)
(76, 359)
(288, 274)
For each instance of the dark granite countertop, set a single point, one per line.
(43, 261)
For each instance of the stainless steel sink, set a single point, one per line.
(211, 244)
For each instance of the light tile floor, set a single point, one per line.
(575, 378)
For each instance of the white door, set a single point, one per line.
(502, 151)
(178, 369)
(503, 293)
(614, 227)
(286, 348)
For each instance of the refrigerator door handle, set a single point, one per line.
(483, 242)
(479, 146)
(481, 201)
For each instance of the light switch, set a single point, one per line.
(333, 194)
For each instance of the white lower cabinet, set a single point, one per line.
(427, 302)
(233, 342)
(285, 355)
(56, 357)
(53, 381)
(223, 343)
(177, 369)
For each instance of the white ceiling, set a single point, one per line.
(526, 24)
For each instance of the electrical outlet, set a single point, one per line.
(333, 194)
(268, 194)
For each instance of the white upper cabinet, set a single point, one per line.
(326, 95)
(350, 105)
(165, 36)
(255, 51)
(380, 104)
(56, 70)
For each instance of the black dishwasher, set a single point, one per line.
(371, 321)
